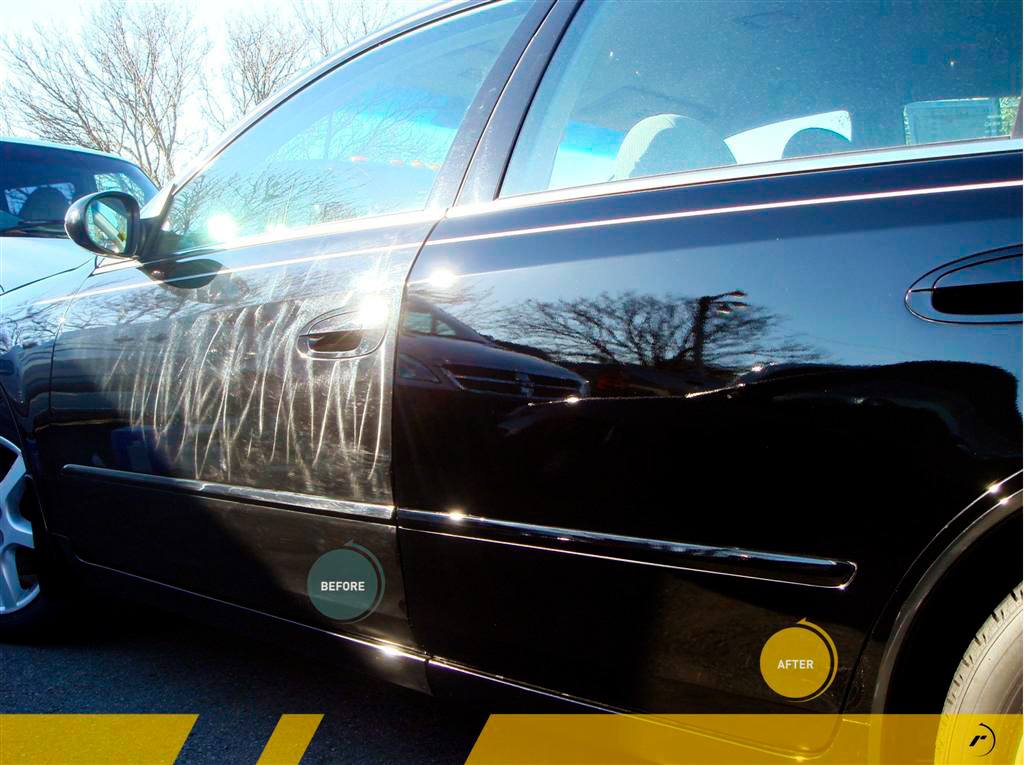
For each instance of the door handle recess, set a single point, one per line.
(340, 334)
(990, 299)
(982, 289)
(342, 341)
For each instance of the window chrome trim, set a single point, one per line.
(729, 210)
(845, 160)
(283, 499)
(427, 216)
(227, 270)
(350, 225)
(783, 568)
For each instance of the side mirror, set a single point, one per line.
(106, 222)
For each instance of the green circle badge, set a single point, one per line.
(346, 584)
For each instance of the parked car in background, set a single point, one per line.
(608, 341)
(38, 180)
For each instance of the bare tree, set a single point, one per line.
(264, 51)
(666, 332)
(330, 25)
(6, 124)
(120, 84)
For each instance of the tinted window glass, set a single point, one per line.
(37, 183)
(367, 139)
(643, 88)
(417, 321)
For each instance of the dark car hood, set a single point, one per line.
(443, 351)
(27, 259)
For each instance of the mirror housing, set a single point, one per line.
(107, 223)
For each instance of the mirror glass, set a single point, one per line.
(106, 222)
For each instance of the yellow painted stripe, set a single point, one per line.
(289, 740)
(93, 739)
(589, 739)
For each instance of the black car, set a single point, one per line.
(566, 351)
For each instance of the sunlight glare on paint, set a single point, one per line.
(222, 227)
(373, 312)
(441, 278)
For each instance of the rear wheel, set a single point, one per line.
(987, 682)
(26, 607)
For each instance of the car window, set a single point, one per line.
(367, 139)
(423, 323)
(643, 88)
(38, 183)
(418, 322)
(444, 329)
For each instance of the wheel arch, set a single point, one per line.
(968, 557)
(8, 426)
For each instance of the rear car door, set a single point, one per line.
(676, 401)
(222, 408)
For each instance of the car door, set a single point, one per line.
(684, 405)
(221, 406)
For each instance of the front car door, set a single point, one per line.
(221, 407)
(677, 402)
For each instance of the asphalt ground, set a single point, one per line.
(128, 659)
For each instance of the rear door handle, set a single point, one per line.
(982, 289)
(988, 299)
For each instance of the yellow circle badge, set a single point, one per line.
(799, 662)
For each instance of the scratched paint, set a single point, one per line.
(192, 369)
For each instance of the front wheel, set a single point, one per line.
(987, 683)
(27, 609)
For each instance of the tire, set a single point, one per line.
(36, 622)
(30, 596)
(987, 682)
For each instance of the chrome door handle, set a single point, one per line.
(340, 334)
(982, 289)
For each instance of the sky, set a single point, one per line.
(20, 17)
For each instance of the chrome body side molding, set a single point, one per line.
(728, 561)
(285, 499)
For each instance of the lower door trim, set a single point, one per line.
(283, 499)
(785, 568)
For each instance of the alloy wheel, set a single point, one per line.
(18, 586)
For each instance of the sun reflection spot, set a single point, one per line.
(373, 312)
(441, 278)
(222, 228)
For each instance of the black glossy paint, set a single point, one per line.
(248, 367)
(193, 373)
(754, 371)
(754, 380)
